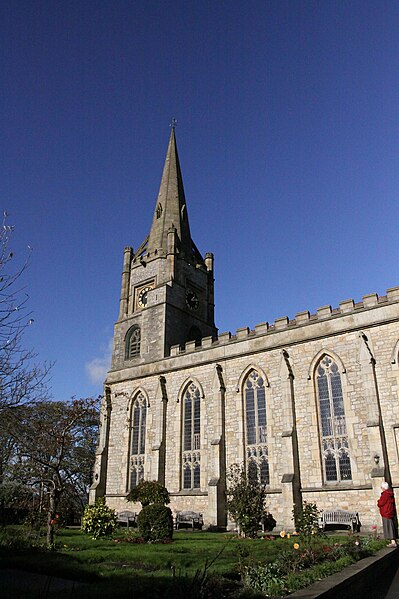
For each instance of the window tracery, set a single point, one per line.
(257, 451)
(137, 453)
(191, 455)
(133, 342)
(333, 432)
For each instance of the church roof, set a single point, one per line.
(170, 210)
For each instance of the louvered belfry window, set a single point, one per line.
(132, 344)
(257, 451)
(137, 454)
(333, 432)
(191, 457)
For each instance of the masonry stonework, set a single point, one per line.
(180, 350)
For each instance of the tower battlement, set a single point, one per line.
(323, 314)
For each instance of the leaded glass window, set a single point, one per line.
(191, 438)
(137, 453)
(257, 451)
(132, 344)
(333, 433)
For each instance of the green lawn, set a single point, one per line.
(106, 568)
(138, 570)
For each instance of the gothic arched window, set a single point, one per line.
(191, 457)
(137, 448)
(333, 433)
(132, 343)
(256, 447)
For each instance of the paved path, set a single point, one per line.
(393, 592)
(17, 584)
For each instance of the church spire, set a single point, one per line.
(170, 211)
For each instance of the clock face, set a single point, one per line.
(192, 300)
(142, 297)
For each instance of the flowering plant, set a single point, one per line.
(99, 520)
(54, 520)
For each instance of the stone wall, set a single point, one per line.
(363, 340)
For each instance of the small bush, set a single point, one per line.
(307, 520)
(99, 520)
(264, 578)
(155, 523)
(36, 520)
(246, 498)
(21, 537)
(373, 544)
(274, 581)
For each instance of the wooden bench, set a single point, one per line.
(335, 518)
(126, 517)
(189, 519)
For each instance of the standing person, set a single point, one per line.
(386, 505)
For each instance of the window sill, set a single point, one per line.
(336, 487)
(189, 492)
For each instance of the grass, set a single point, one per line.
(119, 568)
(108, 568)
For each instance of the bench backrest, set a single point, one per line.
(126, 516)
(338, 516)
(188, 516)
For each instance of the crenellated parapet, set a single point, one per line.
(323, 314)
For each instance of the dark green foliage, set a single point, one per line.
(297, 567)
(306, 521)
(20, 537)
(149, 491)
(246, 499)
(155, 523)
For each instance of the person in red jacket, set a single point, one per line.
(386, 504)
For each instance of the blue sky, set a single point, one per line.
(288, 136)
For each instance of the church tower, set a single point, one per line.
(167, 295)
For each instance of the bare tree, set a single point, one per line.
(21, 380)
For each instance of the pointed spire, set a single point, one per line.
(170, 210)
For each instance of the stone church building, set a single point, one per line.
(313, 402)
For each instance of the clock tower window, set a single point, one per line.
(132, 343)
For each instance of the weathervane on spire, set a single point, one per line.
(173, 123)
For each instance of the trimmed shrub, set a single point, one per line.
(149, 491)
(99, 520)
(155, 523)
